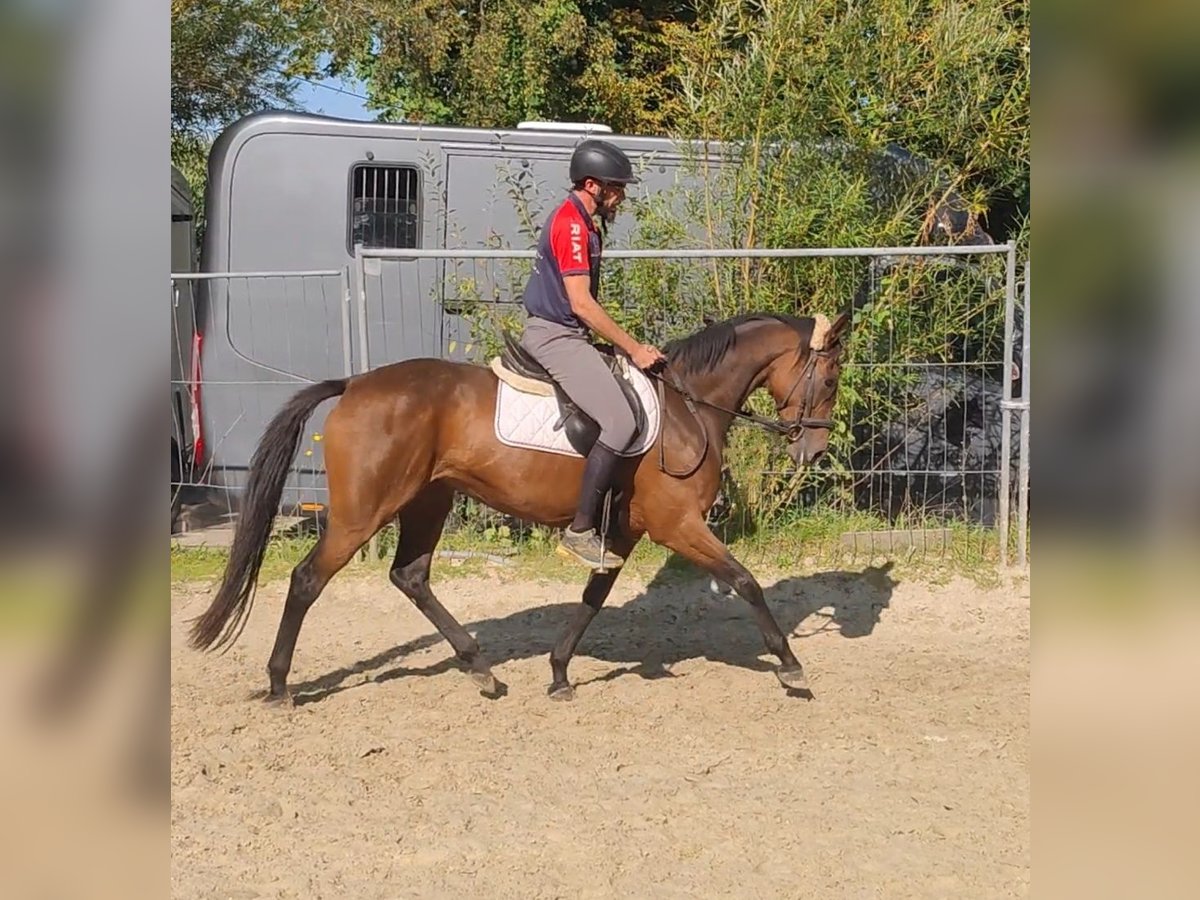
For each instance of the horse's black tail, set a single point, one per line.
(225, 617)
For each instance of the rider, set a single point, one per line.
(560, 299)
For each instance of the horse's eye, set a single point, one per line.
(829, 382)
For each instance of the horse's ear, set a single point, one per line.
(820, 332)
(838, 329)
(826, 334)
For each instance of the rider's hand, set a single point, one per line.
(646, 356)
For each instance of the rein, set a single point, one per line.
(791, 430)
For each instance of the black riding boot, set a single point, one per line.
(581, 540)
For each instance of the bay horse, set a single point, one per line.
(405, 437)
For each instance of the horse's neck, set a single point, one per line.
(740, 374)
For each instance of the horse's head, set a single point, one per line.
(804, 386)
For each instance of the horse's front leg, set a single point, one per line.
(693, 540)
(594, 594)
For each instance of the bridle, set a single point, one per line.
(792, 430)
(802, 422)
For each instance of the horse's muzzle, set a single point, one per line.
(799, 454)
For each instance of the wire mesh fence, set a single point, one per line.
(932, 377)
(241, 345)
(919, 455)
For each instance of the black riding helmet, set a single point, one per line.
(602, 161)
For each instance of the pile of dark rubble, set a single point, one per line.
(943, 457)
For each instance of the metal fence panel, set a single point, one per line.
(1023, 453)
(926, 451)
(248, 342)
(927, 438)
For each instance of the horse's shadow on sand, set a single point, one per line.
(676, 618)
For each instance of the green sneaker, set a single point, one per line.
(584, 546)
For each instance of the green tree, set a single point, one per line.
(946, 80)
(230, 58)
(495, 63)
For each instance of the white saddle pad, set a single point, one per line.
(527, 420)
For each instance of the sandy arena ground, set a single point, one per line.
(682, 768)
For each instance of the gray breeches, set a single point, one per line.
(584, 377)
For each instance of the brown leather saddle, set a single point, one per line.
(581, 429)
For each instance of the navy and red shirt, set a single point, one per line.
(568, 245)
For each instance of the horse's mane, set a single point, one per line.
(704, 351)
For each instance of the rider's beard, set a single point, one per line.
(607, 209)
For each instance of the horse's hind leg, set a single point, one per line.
(421, 523)
(332, 552)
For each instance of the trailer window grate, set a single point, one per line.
(384, 206)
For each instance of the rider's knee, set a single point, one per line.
(618, 431)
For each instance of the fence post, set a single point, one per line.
(360, 305)
(1006, 405)
(347, 279)
(1023, 475)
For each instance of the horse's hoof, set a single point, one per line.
(562, 692)
(279, 701)
(792, 678)
(486, 682)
